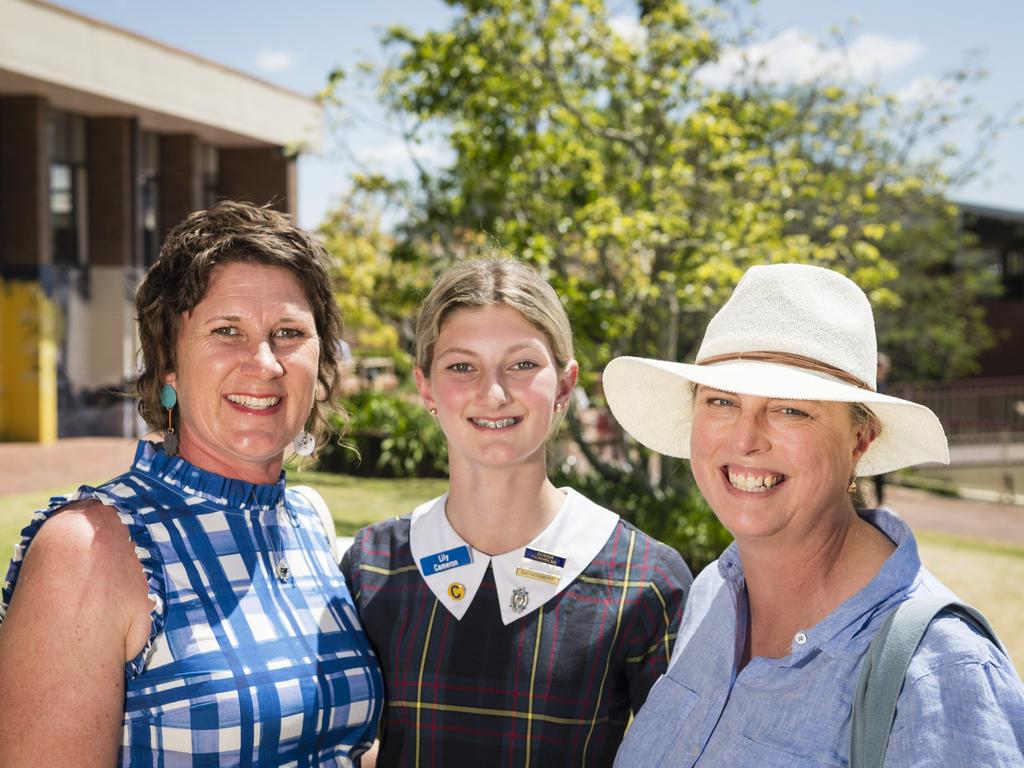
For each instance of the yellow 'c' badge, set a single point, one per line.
(456, 591)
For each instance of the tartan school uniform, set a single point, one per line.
(535, 657)
(256, 656)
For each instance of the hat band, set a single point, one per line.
(787, 358)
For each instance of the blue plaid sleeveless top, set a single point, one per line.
(256, 656)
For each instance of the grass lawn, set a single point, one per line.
(987, 575)
(356, 502)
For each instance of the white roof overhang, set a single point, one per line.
(90, 67)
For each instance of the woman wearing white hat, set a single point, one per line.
(778, 416)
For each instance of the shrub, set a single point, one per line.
(389, 434)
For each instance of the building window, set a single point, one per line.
(149, 191)
(211, 175)
(68, 188)
(1013, 274)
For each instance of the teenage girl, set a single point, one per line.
(516, 623)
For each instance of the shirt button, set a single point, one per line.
(800, 638)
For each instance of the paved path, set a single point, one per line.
(68, 463)
(27, 467)
(1002, 523)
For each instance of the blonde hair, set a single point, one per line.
(864, 418)
(493, 281)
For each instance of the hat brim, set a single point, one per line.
(652, 402)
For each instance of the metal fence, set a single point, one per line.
(983, 418)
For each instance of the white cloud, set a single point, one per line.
(871, 56)
(275, 60)
(926, 89)
(797, 56)
(392, 157)
(628, 28)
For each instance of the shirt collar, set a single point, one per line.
(842, 632)
(202, 485)
(527, 577)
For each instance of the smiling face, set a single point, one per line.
(767, 466)
(494, 383)
(247, 359)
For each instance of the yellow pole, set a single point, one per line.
(28, 363)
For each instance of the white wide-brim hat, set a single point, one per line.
(788, 331)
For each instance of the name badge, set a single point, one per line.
(546, 558)
(445, 561)
(529, 573)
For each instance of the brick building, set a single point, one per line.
(107, 140)
(998, 234)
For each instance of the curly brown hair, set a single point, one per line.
(179, 278)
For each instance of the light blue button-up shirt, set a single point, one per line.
(962, 705)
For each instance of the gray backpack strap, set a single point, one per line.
(885, 667)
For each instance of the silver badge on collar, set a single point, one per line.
(520, 599)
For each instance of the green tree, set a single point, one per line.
(643, 191)
(379, 279)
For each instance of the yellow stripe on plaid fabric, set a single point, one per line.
(669, 637)
(419, 681)
(615, 637)
(613, 582)
(489, 712)
(386, 571)
(533, 677)
(664, 618)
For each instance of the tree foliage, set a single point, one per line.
(643, 191)
(379, 279)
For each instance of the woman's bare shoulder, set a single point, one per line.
(66, 636)
(86, 551)
(83, 530)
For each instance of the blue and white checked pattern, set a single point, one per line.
(241, 668)
(962, 703)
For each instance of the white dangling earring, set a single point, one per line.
(304, 443)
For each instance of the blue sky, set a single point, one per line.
(906, 44)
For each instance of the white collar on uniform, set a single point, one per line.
(526, 577)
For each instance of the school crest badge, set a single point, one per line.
(520, 599)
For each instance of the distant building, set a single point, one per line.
(984, 414)
(999, 237)
(107, 140)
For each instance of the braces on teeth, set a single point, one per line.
(499, 424)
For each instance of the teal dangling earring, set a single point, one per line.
(169, 399)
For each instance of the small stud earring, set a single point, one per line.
(433, 411)
(853, 487)
(558, 407)
(169, 399)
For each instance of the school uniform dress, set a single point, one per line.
(535, 657)
(256, 656)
